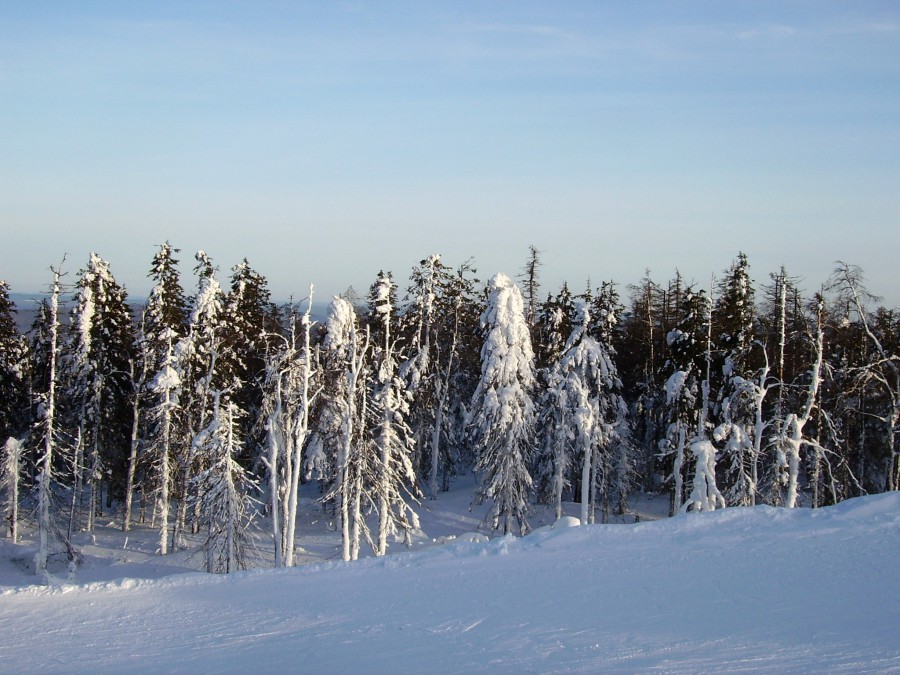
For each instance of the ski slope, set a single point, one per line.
(737, 589)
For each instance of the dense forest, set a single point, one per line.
(214, 404)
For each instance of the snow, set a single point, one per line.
(762, 588)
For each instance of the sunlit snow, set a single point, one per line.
(736, 589)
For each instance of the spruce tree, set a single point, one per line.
(223, 490)
(684, 371)
(502, 414)
(878, 377)
(249, 318)
(339, 435)
(736, 363)
(391, 437)
(100, 354)
(13, 371)
(200, 369)
(585, 424)
(553, 325)
(439, 325)
(154, 372)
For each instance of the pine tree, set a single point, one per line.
(502, 413)
(622, 459)
(382, 293)
(460, 316)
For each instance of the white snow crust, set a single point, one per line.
(737, 589)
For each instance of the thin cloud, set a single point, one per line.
(854, 29)
(778, 31)
(519, 29)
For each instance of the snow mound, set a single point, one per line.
(566, 522)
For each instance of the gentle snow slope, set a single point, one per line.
(761, 588)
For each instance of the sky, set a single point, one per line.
(325, 141)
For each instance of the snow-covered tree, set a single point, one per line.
(249, 319)
(877, 379)
(743, 443)
(14, 407)
(223, 490)
(705, 494)
(198, 365)
(553, 326)
(100, 355)
(339, 433)
(391, 436)
(13, 370)
(502, 415)
(737, 394)
(790, 440)
(48, 530)
(419, 371)
(685, 395)
(162, 325)
(438, 323)
(10, 480)
(585, 421)
(166, 308)
(165, 388)
(288, 396)
(643, 347)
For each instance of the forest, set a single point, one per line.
(210, 407)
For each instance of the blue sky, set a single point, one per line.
(327, 140)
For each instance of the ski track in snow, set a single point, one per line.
(737, 590)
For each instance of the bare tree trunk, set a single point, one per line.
(138, 387)
(77, 470)
(300, 430)
(46, 462)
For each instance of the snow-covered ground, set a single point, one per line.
(738, 589)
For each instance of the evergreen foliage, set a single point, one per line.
(718, 401)
(502, 414)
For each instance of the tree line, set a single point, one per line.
(214, 405)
